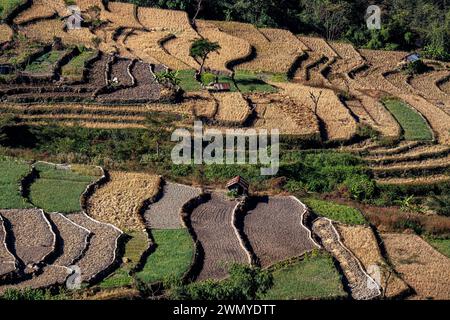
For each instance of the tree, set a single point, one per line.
(315, 100)
(197, 11)
(200, 50)
(168, 77)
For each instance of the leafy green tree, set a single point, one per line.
(200, 50)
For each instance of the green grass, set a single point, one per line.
(75, 67)
(336, 212)
(134, 249)
(58, 190)
(441, 245)
(11, 172)
(45, 63)
(172, 258)
(251, 82)
(414, 126)
(247, 81)
(188, 82)
(8, 6)
(315, 277)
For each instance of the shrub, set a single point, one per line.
(245, 283)
(25, 294)
(360, 187)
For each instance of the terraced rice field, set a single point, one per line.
(12, 172)
(165, 213)
(213, 226)
(275, 230)
(120, 15)
(102, 250)
(339, 124)
(33, 237)
(357, 278)
(363, 244)
(172, 258)
(232, 108)
(415, 154)
(120, 200)
(58, 188)
(276, 50)
(413, 124)
(315, 277)
(282, 113)
(41, 9)
(8, 6)
(74, 69)
(7, 259)
(422, 267)
(232, 48)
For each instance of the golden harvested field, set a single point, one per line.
(180, 46)
(276, 50)
(158, 19)
(40, 9)
(119, 201)
(233, 108)
(46, 30)
(280, 112)
(362, 242)
(86, 4)
(120, 15)
(320, 46)
(422, 164)
(6, 33)
(340, 125)
(350, 57)
(427, 180)
(90, 124)
(422, 267)
(146, 45)
(232, 48)
(91, 117)
(201, 104)
(427, 85)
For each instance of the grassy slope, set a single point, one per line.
(336, 211)
(414, 126)
(58, 190)
(134, 249)
(11, 172)
(44, 63)
(7, 6)
(313, 278)
(441, 245)
(172, 258)
(75, 66)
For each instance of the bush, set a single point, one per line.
(25, 294)
(360, 187)
(245, 283)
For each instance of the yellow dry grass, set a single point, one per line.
(428, 180)
(339, 123)
(421, 266)
(91, 125)
(120, 15)
(362, 242)
(6, 33)
(120, 200)
(320, 46)
(280, 112)
(86, 4)
(39, 9)
(92, 117)
(201, 104)
(159, 19)
(232, 107)
(232, 48)
(46, 30)
(276, 50)
(146, 46)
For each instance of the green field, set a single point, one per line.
(7, 6)
(172, 257)
(414, 126)
(315, 277)
(74, 69)
(134, 249)
(336, 212)
(59, 190)
(45, 63)
(250, 82)
(11, 172)
(441, 245)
